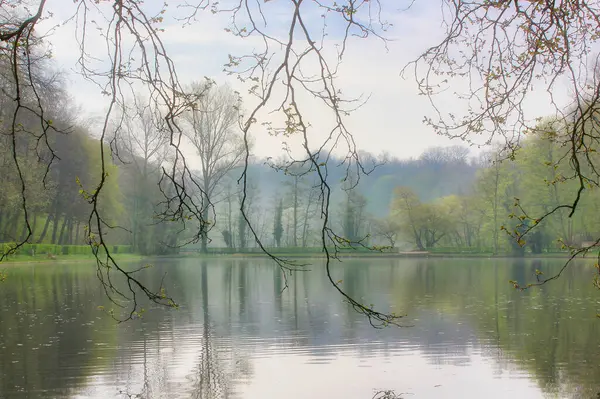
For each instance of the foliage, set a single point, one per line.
(41, 250)
(519, 198)
(424, 224)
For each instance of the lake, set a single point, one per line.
(237, 335)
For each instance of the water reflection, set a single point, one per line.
(237, 335)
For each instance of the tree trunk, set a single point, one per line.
(134, 223)
(77, 232)
(295, 238)
(69, 239)
(305, 227)
(61, 236)
(495, 208)
(49, 218)
(204, 232)
(418, 240)
(45, 229)
(34, 226)
(4, 218)
(13, 225)
(24, 232)
(287, 233)
(242, 232)
(56, 222)
(1, 219)
(229, 224)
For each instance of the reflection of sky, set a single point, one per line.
(280, 368)
(348, 376)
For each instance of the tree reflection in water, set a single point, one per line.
(211, 381)
(234, 320)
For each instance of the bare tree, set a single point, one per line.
(299, 196)
(142, 137)
(388, 229)
(214, 132)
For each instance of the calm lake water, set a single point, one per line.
(237, 335)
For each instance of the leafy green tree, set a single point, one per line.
(405, 210)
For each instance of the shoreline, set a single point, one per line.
(448, 255)
(24, 259)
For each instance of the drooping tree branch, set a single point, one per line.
(19, 45)
(494, 58)
(286, 74)
(281, 72)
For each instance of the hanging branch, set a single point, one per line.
(18, 45)
(503, 52)
(299, 52)
(136, 58)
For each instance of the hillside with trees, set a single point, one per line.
(133, 200)
(507, 199)
(447, 199)
(57, 167)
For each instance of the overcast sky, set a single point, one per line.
(390, 121)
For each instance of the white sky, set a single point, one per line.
(391, 121)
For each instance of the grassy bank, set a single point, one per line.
(13, 259)
(312, 253)
(83, 254)
(38, 253)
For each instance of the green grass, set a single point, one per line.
(83, 253)
(298, 254)
(363, 253)
(54, 249)
(43, 258)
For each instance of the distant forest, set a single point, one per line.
(60, 210)
(447, 199)
(50, 174)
